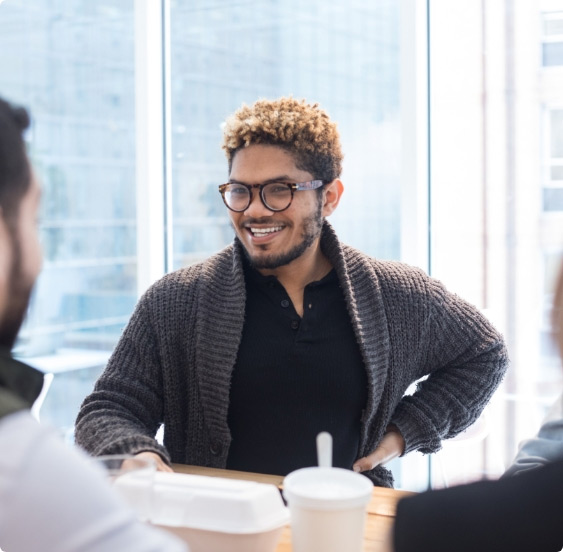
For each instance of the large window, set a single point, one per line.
(496, 211)
(72, 64)
(128, 98)
(344, 56)
(124, 201)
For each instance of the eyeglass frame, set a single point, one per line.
(293, 187)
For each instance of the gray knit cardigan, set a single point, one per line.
(174, 361)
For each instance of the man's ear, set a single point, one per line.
(332, 192)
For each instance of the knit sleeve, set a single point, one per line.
(125, 410)
(465, 359)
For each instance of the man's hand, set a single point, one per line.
(391, 446)
(161, 465)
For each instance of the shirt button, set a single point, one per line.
(215, 448)
(285, 303)
(294, 325)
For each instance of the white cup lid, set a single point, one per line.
(327, 488)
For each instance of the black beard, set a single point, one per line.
(19, 292)
(312, 227)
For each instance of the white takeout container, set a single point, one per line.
(215, 514)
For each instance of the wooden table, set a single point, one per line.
(381, 509)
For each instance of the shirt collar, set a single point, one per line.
(19, 378)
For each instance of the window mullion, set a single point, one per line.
(149, 117)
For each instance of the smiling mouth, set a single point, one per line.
(263, 232)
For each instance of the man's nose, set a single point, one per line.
(256, 207)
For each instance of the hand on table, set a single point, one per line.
(391, 446)
(161, 465)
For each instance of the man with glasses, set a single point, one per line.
(248, 355)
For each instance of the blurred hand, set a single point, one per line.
(161, 465)
(391, 446)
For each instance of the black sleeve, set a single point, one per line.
(523, 513)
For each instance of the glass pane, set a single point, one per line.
(72, 65)
(344, 56)
(497, 232)
(552, 53)
(553, 24)
(553, 199)
(556, 173)
(556, 132)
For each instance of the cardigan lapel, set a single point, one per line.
(362, 292)
(221, 306)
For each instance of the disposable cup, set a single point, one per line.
(133, 478)
(327, 509)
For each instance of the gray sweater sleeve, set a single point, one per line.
(546, 447)
(125, 410)
(465, 359)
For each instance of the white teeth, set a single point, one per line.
(261, 232)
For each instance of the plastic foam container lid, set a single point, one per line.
(217, 504)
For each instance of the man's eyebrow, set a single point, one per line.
(281, 178)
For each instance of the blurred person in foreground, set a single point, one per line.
(545, 447)
(51, 498)
(522, 513)
(248, 355)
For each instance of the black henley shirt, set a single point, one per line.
(295, 377)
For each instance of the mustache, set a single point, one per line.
(262, 220)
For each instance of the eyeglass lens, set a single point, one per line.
(276, 196)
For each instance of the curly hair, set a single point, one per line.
(303, 130)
